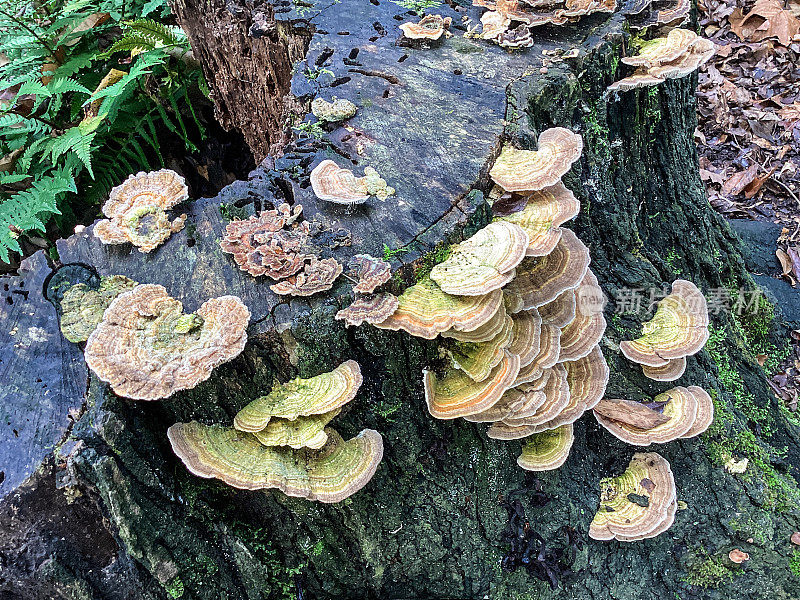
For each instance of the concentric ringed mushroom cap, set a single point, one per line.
(526, 336)
(636, 504)
(541, 280)
(146, 348)
(547, 450)
(136, 210)
(511, 401)
(302, 397)
(681, 407)
(674, 369)
(331, 474)
(556, 391)
(586, 330)
(332, 183)
(663, 50)
(238, 459)
(373, 308)
(430, 27)
(483, 263)
(478, 359)
(425, 311)
(549, 349)
(527, 170)
(317, 276)
(561, 311)
(457, 395)
(82, 307)
(303, 432)
(679, 328)
(485, 332)
(542, 216)
(370, 272)
(341, 468)
(705, 412)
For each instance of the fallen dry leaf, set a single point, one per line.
(738, 181)
(752, 188)
(767, 19)
(795, 539)
(794, 255)
(630, 413)
(762, 359)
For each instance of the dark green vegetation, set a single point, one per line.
(90, 92)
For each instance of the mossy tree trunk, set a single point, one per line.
(448, 514)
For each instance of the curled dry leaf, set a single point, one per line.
(630, 413)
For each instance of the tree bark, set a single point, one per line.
(448, 514)
(247, 59)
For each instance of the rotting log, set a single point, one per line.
(444, 514)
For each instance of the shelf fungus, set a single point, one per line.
(82, 307)
(456, 394)
(679, 53)
(302, 432)
(542, 215)
(688, 412)
(334, 184)
(547, 450)
(136, 210)
(540, 280)
(370, 272)
(661, 12)
(528, 170)
(587, 328)
(146, 348)
(674, 369)
(372, 308)
(430, 27)
(678, 329)
(317, 276)
(526, 338)
(639, 504)
(271, 243)
(333, 112)
(478, 359)
(336, 471)
(485, 332)
(483, 263)
(425, 311)
(561, 311)
(546, 358)
(302, 398)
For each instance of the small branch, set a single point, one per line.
(31, 31)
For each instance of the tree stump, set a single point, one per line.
(448, 514)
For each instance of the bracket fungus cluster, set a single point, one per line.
(430, 27)
(509, 22)
(678, 54)
(678, 329)
(519, 311)
(368, 274)
(334, 184)
(646, 13)
(282, 441)
(147, 348)
(136, 210)
(275, 243)
(82, 306)
(639, 504)
(682, 412)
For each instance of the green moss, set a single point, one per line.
(431, 259)
(672, 259)
(229, 212)
(174, 588)
(707, 572)
(730, 437)
(794, 562)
